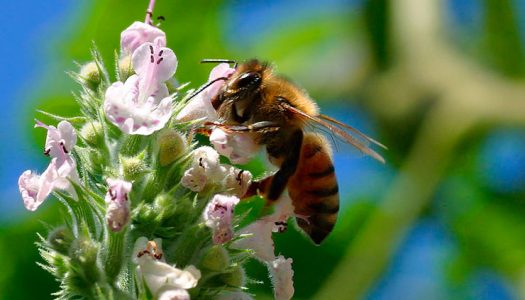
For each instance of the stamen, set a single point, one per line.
(112, 194)
(46, 151)
(158, 61)
(200, 163)
(152, 59)
(160, 53)
(151, 49)
(63, 147)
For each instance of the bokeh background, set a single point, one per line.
(440, 82)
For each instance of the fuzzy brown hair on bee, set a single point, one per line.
(276, 112)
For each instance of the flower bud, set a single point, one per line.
(92, 133)
(90, 75)
(60, 239)
(236, 277)
(133, 167)
(215, 259)
(125, 68)
(83, 252)
(117, 200)
(172, 145)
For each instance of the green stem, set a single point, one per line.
(115, 243)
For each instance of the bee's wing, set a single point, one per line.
(325, 122)
(352, 129)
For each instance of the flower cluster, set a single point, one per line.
(136, 178)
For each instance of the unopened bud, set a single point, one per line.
(133, 167)
(90, 74)
(125, 67)
(236, 277)
(215, 259)
(164, 204)
(172, 145)
(83, 252)
(60, 239)
(92, 133)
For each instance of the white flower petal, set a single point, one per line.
(125, 111)
(139, 33)
(194, 179)
(240, 148)
(199, 107)
(169, 293)
(67, 135)
(154, 65)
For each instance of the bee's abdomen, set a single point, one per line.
(314, 190)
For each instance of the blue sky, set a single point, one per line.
(29, 30)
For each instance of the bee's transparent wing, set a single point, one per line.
(360, 141)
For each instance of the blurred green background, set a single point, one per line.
(440, 82)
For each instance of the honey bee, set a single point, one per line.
(277, 112)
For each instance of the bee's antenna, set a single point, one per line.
(217, 61)
(205, 86)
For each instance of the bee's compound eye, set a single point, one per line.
(248, 79)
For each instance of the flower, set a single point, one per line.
(282, 277)
(36, 188)
(139, 33)
(142, 105)
(117, 212)
(238, 147)
(205, 168)
(194, 179)
(200, 107)
(236, 181)
(218, 216)
(157, 274)
(60, 140)
(259, 233)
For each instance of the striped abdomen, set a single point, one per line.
(313, 188)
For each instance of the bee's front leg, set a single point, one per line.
(260, 127)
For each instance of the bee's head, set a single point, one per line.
(247, 78)
(243, 88)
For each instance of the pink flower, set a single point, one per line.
(117, 212)
(259, 233)
(142, 105)
(236, 181)
(282, 278)
(36, 188)
(240, 148)
(157, 274)
(60, 140)
(200, 106)
(139, 33)
(206, 171)
(194, 179)
(218, 216)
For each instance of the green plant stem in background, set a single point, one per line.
(427, 60)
